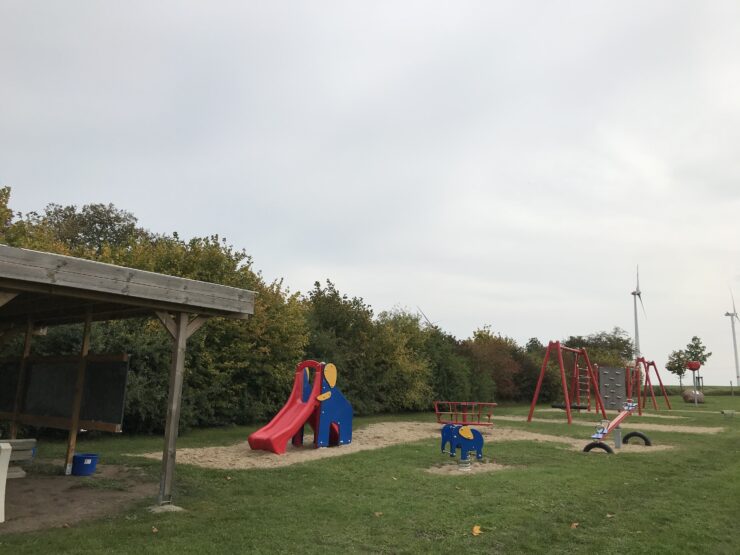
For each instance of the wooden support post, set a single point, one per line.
(79, 388)
(180, 328)
(20, 386)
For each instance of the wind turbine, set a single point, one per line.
(637, 294)
(733, 316)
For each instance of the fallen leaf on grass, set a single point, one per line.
(65, 525)
(609, 515)
(228, 477)
(155, 529)
(378, 514)
(574, 525)
(476, 530)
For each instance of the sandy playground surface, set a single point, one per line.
(375, 436)
(616, 412)
(627, 424)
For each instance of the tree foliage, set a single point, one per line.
(240, 371)
(694, 350)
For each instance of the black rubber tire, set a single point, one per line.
(598, 445)
(643, 437)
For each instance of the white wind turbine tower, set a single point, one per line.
(637, 294)
(733, 316)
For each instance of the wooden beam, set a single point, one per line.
(21, 384)
(107, 357)
(195, 324)
(6, 297)
(85, 295)
(77, 404)
(61, 423)
(174, 403)
(167, 321)
(67, 271)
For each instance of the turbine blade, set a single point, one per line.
(425, 316)
(639, 296)
(638, 280)
(733, 303)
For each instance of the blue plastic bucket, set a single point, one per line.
(84, 464)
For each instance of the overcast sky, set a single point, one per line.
(502, 163)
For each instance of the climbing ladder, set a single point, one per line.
(589, 386)
(581, 387)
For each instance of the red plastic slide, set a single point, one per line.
(286, 423)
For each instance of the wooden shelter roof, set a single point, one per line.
(51, 289)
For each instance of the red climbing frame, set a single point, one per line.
(591, 379)
(635, 382)
(464, 412)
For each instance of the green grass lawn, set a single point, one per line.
(683, 500)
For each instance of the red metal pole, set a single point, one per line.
(652, 393)
(662, 388)
(539, 382)
(564, 382)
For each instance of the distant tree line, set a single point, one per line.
(241, 371)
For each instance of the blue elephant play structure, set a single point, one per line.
(465, 438)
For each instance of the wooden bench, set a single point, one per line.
(5, 451)
(13, 450)
(23, 450)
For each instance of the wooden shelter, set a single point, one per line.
(39, 289)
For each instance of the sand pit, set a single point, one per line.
(616, 412)
(627, 424)
(240, 456)
(375, 436)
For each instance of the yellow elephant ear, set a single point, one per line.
(330, 374)
(465, 432)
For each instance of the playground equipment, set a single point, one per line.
(583, 387)
(694, 366)
(321, 405)
(638, 377)
(612, 386)
(464, 412)
(608, 427)
(465, 438)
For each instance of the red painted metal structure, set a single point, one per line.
(575, 393)
(464, 412)
(638, 377)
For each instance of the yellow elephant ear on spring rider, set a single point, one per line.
(465, 432)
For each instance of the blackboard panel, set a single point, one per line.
(105, 391)
(8, 383)
(50, 387)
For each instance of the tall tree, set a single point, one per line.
(696, 350)
(677, 365)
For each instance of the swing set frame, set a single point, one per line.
(554, 347)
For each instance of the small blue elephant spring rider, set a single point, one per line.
(465, 438)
